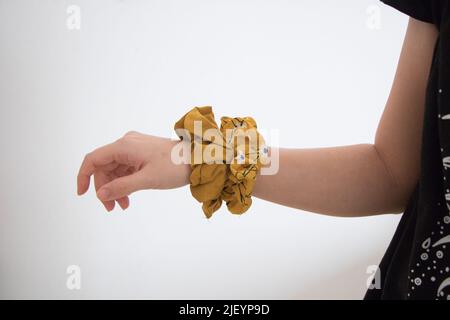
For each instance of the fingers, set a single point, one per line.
(100, 179)
(122, 187)
(105, 164)
(99, 157)
(120, 171)
(124, 202)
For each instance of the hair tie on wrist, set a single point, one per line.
(233, 159)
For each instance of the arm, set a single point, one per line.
(345, 181)
(364, 179)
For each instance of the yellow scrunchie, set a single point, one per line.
(213, 182)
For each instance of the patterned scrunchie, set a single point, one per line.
(232, 178)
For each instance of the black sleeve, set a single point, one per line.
(424, 10)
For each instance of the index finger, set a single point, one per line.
(97, 158)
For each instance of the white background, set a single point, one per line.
(312, 69)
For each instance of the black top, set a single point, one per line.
(416, 264)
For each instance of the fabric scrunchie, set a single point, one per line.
(232, 177)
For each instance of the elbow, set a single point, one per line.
(400, 182)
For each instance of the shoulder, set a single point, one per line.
(425, 10)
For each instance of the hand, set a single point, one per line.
(134, 162)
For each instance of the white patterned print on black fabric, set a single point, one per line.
(430, 267)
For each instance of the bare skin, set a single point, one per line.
(355, 180)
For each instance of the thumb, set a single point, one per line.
(121, 187)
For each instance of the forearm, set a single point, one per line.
(340, 181)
